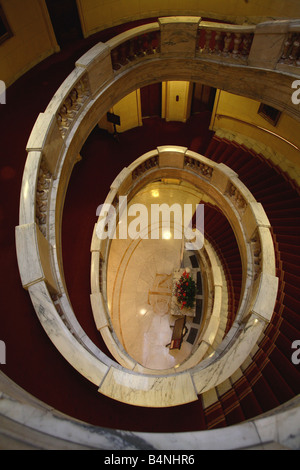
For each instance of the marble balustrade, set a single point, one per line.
(170, 159)
(53, 148)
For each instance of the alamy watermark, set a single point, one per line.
(160, 222)
(296, 354)
(2, 92)
(296, 94)
(2, 352)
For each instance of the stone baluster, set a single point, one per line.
(246, 44)
(63, 118)
(236, 44)
(140, 46)
(156, 36)
(82, 89)
(198, 40)
(131, 52)
(227, 42)
(70, 110)
(208, 35)
(286, 48)
(115, 59)
(294, 55)
(74, 98)
(218, 42)
(123, 53)
(149, 49)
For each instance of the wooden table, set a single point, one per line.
(179, 330)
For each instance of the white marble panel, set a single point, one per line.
(157, 392)
(253, 217)
(268, 262)
(122, 180)
(28, 189)
(99, 310)
(97, 62)
(96, 241)
(95, 276)
(178, 35)
(46, 137)
(221, 175)
(132, 33)
(28, 255)
(170, 156)
(116, 350)
(84, 362)
(227, 363)
(63, 91)
(267, 45)
(266, 297)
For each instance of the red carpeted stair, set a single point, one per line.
(220, 234)
(272, 378)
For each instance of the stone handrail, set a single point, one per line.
(253, 236)
(125, 183)
(53, 149)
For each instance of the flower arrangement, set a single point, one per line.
(185, 290)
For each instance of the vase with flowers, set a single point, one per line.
(185, 291)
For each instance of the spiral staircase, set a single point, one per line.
(255, 237)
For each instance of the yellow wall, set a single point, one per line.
(33, 38)
(176, 109)
(129, 110)
(246, 110)
(100, 14)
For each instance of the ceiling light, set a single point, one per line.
(155, 193)
(167, 235)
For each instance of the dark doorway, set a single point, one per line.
(203, 98)
(65, 21)
(151, 100)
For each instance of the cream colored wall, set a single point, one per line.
(176, 100)
(130, 112)
(100, 14)
(228, 105)
(33, 38)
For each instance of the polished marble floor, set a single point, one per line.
(139, 283)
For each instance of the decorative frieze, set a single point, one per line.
(72, 105)
(256, 255)
(196, 165)
(236, 198)
(42, 196)
(145, 166)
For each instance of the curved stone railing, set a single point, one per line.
(249, 223)
(54, 147)
(128, 180)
